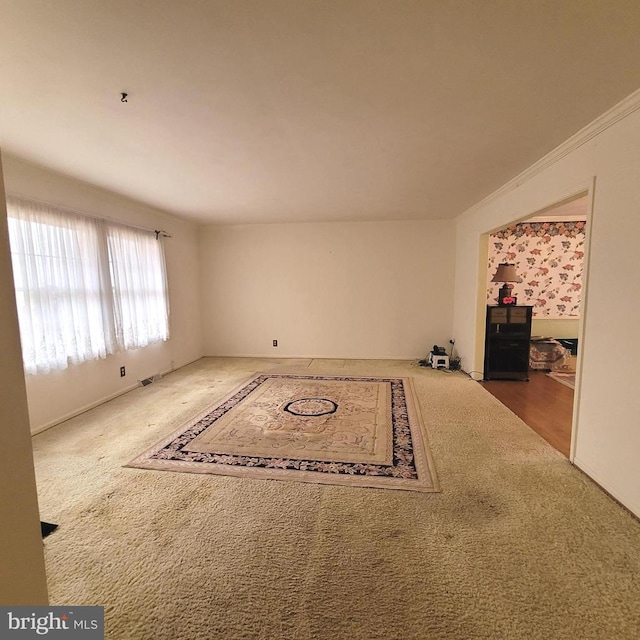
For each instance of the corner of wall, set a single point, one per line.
(22, 558)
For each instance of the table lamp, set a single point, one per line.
(506, 274)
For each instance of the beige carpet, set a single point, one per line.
(344, 430)
(518, 544)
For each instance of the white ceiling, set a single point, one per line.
(300, 110)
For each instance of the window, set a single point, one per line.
(84, 287)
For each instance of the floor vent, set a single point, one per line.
(147, 381)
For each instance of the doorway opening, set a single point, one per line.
(549, 251)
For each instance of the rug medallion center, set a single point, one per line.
(311, 407)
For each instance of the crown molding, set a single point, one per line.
(619, 112)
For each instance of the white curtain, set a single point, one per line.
(61, 283)
(138, 274)
(84, 287)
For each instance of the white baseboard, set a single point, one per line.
(83, 409)
(275, 356)
(97, 403)
(629, 501)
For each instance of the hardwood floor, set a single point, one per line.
(544, 404)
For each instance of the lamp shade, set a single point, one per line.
(506, 273)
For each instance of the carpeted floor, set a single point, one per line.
(518, 544)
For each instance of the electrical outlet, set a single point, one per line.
(122, 372)
(275, 343)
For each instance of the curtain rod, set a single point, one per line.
(159, 232)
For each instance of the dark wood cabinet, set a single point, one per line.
(506, 347)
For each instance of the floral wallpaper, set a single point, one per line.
(549, 262)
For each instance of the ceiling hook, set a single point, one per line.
(124, 97)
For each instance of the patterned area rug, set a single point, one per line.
(363, 432)
(567, 379)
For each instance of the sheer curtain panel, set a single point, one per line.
(61, 281)
(84, 287)
(140, 298)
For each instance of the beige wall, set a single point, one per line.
(345, 290)
(607, 438)
(61, 394)
(558, 328)
(22, 573)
